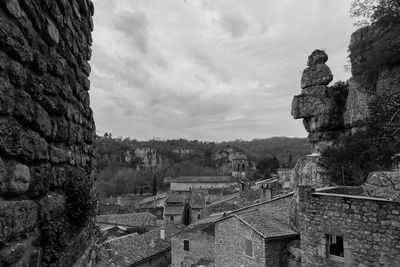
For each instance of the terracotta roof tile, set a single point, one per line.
(267, 225)
(129, 219)
(205, 262)
(205, 179)
(133, 248)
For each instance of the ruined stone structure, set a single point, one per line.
(46, 133)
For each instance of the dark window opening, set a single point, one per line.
(172, 218)
(248, 250)
(186, 245)
(198, 216)
(150, 261)
(335, 246)
(243, 167)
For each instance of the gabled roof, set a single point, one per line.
(128, 219)
(205, 262)
(197, 200)
(176, 198)
(173, 210)
(130, 249)
(266, 225)
(205, 179)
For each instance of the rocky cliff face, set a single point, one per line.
(331, 112)
(46, 133)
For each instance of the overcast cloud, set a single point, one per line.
(209, 69)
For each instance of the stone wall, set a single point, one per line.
(370, 228)
(188, 186)
(277, 207)
(201, 244)
(230, 237)
(46, 133)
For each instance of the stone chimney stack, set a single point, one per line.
(162, 233)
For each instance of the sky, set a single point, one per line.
(211, 70)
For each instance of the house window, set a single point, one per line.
(335, 249)
(150, 261)
(248, 247)
(186, 245)
(198, 216)
(172, 218)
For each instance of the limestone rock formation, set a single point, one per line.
(331, 112)
(46, 133)
(383, 185)
(375, 67)
(317, 104)
(317, 73)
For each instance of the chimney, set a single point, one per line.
(162, 233)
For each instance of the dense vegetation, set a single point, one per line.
(117, 175)
(353, 157)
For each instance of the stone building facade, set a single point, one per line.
(46, 133)
(187, 183)
(251, 240)
(192, 244)
(368, 229)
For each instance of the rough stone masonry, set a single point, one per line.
(46, 133)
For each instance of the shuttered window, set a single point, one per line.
(186, 245)
(248, 247)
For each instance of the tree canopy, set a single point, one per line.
(370, 11)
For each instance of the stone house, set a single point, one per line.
(198, 201)
(154, 205)
(341, 227)
(186, 183)
(151, 249)
(177, 209)
(285, 178)
(252, 239)
(268, 188)
(239, 166)
(193, 244)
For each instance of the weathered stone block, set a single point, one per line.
(317, 57)
(42, 122)
(24, 110)
(58, 154)
(17, 74)
(383, 185)
(17, 141)
(319, 74)
(6, 97)
(16, 181)
(17, 218)
(39, 64)
(52, 34)
(323, 122)
(304, 106)
(12, 254)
